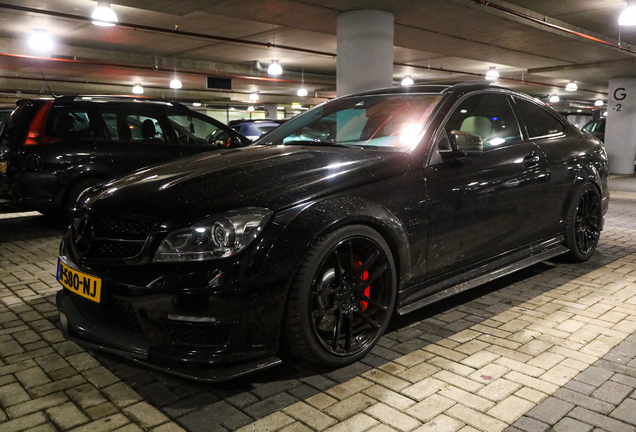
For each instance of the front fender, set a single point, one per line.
(303, 224)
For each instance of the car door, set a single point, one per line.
(137, 137)
(549, 133)
(482, 206)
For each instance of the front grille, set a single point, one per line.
(198, 334)
(114, 314)
(123, 225)
(113, 249)
(104, 236)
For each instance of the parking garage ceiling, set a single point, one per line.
(536, 45)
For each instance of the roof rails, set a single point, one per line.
(71, 98)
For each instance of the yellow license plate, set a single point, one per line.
(77, 282)
(3, 167)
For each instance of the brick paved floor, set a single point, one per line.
(552, 346)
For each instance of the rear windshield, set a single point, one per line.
(15, 130)
(383, 121)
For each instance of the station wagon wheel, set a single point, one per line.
(583, 224)
(343, 297)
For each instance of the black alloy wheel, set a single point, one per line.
(343, 297)
(583, 225)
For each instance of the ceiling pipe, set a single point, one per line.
(178, 33)
(554, 26)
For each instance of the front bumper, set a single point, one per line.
(138, 348)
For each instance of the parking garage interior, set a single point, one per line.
(551, 347)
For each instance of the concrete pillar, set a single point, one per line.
(271, 110)
(365, 51)
(620, 130)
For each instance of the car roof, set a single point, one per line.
(104, 99)
(463, 87)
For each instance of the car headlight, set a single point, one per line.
(213, 238)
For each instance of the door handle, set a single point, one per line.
(531, 160)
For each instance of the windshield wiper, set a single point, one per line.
(317, 142)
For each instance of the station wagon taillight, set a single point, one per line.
(36, 135)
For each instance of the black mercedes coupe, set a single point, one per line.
(310, 240)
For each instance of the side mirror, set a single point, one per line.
(466, 143)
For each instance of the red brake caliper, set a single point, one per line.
(367, 290)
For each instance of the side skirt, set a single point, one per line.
(487, 273)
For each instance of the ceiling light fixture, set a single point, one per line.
(628, 16)
(175, 84)
(599, 103)
(571, 87)
(196, 104)
(302, 91)
(605, 114)
(296, 106)
(275, 68)
(579, 110)
(104, 16)
(554, 98)
(250, 108)
(138, 89)
(407, 80)
(41, 41)
(492, 73)
(254, 96)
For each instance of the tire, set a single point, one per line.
(74, 193)
(342, 297)
(583, 224)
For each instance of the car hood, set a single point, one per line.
(274, 177)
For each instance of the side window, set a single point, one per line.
(133, 125)
(600, 126)
(539, 122)
(488, 115)
(192, 130)
(70, 123)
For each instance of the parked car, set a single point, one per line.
(254, 128)
(51, 150)
(204, 267)
(596, 128)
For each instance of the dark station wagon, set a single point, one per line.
(51, 150)
(363, 207)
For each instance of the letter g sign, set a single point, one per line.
(619, 93)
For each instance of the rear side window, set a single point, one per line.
(69, 123)
(539, 122)
(133, 125)
(15, 130)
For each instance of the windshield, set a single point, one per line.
(391, 121)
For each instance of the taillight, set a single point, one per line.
(36, 135)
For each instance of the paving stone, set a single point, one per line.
(584, 401)
(270, 389)
(612, 392)
(358, 423)
(392, 417)
(441, 423)
(476, 419)
(36, 405)
(158, 394)
(550, 410)
(192, 403)
(626, 411)
(389, 397)
(66, 416)
(604, 422)
(350, 406)
(101, 410)
(272, 422)
(32, 377)
(86, 396)
(309, 415)
(121, 394)
(11, 394)
(430, 407)
(226, 415)
(528, 424)
(269, 405)
(321, 401)
(571, 425)
(510, 409)
(145, 414)
(594, 376)
(23, 423)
